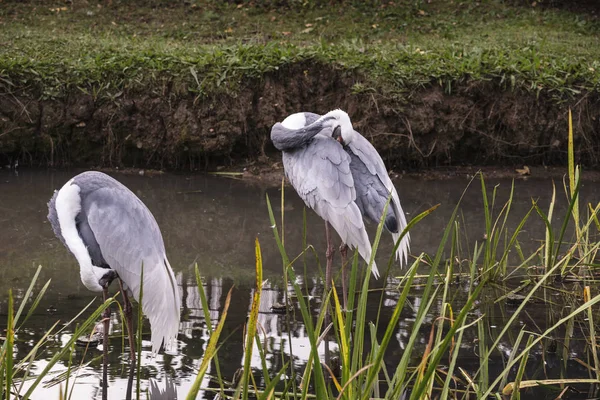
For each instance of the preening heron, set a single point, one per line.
(339, 174)
(113, 235)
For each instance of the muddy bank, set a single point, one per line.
(477, 123)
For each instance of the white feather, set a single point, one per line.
(295, 121)
(68, 205)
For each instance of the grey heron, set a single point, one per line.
(113, 235)
(341, 176)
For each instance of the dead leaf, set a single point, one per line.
(285, 33)
(307, 30)
(308, 25)
(523, 171)
(421, 12)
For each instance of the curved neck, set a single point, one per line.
(285, 139)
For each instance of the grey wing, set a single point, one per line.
(286, 139)
(374, 167)
(320, 173)
(129, 238)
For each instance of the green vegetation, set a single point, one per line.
(363, 340)
(107, 47)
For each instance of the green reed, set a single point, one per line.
(428, 370)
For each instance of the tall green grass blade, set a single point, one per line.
(521, 371)
(318, 372)
(524, 302)
(483, 362)
(594, 344)
(319, 378)
(398, 380)
(284, 256)
(83, 328)
(209, 327)
(407, 229)
(389, 332)
(269, 392)
(452, 366)
(434, 361)
(343, 340)
(573, 176)
(210, 351)
(488, 224)
(35, 303)
(28, 294)
(10, 341)
(27, 361)
(545, 334)
(506, 211)
(513, 353)
(253, 319)
(263, 356)
(574, 201)
(361, 312)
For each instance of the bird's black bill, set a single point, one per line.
(337, 134)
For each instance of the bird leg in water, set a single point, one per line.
(106, 320)
(344, 254)
(104, 282)
(329, 256)
(127, 310)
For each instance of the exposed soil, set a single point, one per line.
(479, 123)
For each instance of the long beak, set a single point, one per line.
(337, 134)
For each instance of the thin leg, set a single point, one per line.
(329, 256)
(106, 320)
(129, 320)
(344, 254)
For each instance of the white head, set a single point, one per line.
(340, 122)
(294, 121)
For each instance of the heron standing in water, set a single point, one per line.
(113, 235)
(339, 174)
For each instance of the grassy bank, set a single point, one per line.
(398, 47)
(198, 84)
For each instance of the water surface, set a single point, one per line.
(213, 222)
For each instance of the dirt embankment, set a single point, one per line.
(478, 123)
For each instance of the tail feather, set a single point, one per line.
(403, 248)
(162, 308)
(348, 223)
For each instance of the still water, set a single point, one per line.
(213, 222)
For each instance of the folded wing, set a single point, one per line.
(376, 186)
(320, 173)
(129, 239)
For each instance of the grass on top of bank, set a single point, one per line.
(206, 47)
